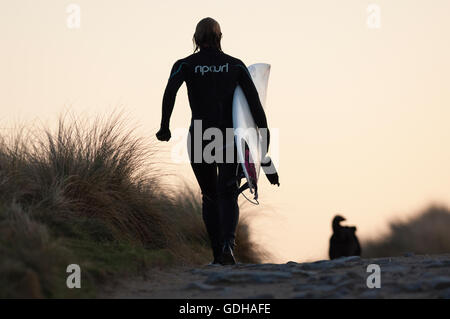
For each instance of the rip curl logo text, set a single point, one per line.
(211, 68)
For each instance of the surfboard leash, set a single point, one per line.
(241, 189)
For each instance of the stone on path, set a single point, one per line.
(202, 286)
(247, 277)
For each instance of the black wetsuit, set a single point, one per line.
(211, 77)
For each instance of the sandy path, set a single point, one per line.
(401, 277)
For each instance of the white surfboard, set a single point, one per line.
(245, 129)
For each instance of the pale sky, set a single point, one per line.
(362, 113)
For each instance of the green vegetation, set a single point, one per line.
(90, 195)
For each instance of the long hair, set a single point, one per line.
(207, 35)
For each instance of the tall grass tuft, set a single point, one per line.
(89, 193)
(424, 233)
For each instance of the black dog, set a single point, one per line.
(343, 242)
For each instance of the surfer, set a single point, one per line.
(211, 77)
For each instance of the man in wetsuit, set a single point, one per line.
(211, 77)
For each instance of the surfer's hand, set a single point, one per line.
(163, 134)
(273, 179)
(270, 171)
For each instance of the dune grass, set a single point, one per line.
(89, 194)
(424, 233)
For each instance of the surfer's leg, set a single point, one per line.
(206, 175)
(228, 204)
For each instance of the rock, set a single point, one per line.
(274, 267)
(341, 294)
(318, 288)
(428, 261)
(445, 294)
(346, 283)
(244, 266)
(349, 259)
(267, 265)
(247, 277)
(330, 264)
(202, 286)
(292, 263)
(227, 292)
(264, 267)
(355, 275)
(437, 264)
(427, 275)
(333, 279)
(440, 283)
(304, 287)
(262, 296)
(302, 295)
(370, 294)
(323, 265)
(200, 271)
(412, 287)
(395, 269)
(302, 272)
(381, 261)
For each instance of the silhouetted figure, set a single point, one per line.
(343, 242)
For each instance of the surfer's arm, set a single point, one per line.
(175, 80)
